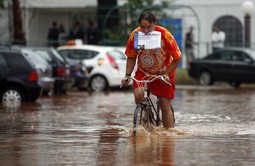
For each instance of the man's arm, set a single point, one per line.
(171, 68)
(129, 69)
(130, 65)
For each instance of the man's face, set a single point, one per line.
(146, 26)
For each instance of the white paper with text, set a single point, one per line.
(151, 40)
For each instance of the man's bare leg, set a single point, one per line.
(167, 114)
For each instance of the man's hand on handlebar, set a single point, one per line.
(125, 81)
(166, 77)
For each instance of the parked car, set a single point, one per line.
(232, 65)
(80, 74)
(61, 70)
(44, 70)
(18, 78)
(106, 65)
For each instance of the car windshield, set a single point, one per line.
(50, 55)
(78, 54)
(34, 58)
(44, 55)
(58, 56)
(117, 55)
(252, 54)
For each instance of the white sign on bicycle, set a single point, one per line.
(151, 40)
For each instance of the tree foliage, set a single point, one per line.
(132, 9)
(1, 4)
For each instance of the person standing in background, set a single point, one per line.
(189, 48)
(218, 39)
(77, 32)
(62, 34)
(92, 34)
(53, 35)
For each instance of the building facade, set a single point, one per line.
(203, 15)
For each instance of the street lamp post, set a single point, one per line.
(247, 8)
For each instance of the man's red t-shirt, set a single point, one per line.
(155, 61)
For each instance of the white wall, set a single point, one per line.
(38, 25)
(208, 12)
(4, 26)
(37, 20)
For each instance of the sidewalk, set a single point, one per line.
(199, 87)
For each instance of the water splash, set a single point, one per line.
(154, 131)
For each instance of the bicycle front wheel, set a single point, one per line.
(138, 117)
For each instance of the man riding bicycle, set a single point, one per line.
(160, 61)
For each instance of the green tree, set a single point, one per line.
(1, 4)
(115, 31)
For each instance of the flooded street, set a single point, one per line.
(213, 127)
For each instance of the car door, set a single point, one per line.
(219, 64)
(227, 65)
(243, 67)
(4, 68)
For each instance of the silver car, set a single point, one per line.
(44, 70)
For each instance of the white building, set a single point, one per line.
(202, 14)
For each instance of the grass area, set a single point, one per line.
(182, 77)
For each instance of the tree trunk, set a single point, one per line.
(18, 34)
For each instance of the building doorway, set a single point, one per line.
(233, 29)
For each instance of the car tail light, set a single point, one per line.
(61, 71)
(112, 61)
(33, 76)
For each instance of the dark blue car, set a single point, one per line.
(18, 78)
(232, 65)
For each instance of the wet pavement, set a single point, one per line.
(214, 126)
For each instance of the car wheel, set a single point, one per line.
(98, 83)
(12, 95)
(234, 84)
(205, 78)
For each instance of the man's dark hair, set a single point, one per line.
(148, 16)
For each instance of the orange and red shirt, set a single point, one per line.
(155, 61)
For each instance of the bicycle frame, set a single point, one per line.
(146, 111)
(156, 110)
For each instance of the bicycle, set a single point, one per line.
(146, 114)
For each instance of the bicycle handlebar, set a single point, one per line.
(151, 79)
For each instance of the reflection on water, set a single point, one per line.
(213, 127)
(153, 150)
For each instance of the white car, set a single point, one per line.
(106, 65)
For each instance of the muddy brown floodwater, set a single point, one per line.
(214, 126)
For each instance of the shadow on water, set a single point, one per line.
(213, 127)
